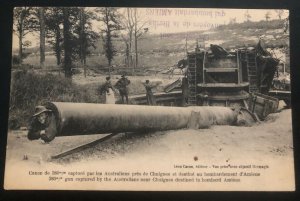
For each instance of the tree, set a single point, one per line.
(139, 30)
(247, 16)
(67, 43)
(82, 41)
(38, 17)
(73, 32)
(128, 26)
(109, 31)
(23, 24)
(42, 35)
(268, 16)
(54, 24)
(87, 37)
(134, 26)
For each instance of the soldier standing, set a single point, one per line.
(121, 85)
(149, 93)
(109, 91)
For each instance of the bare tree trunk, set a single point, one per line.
(20, 46)
(82, 41)
(126, 55)
(42, 36)
(57, 46)
(21, 38)
(130, 50)
(136, 50)
(108, 39)
(67, 45)
(81, 35)
(129, 14)
(135, 39)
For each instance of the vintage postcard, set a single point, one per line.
(150, 99)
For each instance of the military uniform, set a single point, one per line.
(47, 130)
(121, 85)
(149, 94)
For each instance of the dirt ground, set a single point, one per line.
(270, 139)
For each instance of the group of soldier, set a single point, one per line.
(110, 90)
(122, 87)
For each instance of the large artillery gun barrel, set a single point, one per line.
(86, 118)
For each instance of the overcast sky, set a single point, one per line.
(172, 20)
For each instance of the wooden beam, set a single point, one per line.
(84, 146)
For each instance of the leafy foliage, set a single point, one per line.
(24, 23)
(87, 37)
(111, 21)
(29, 89)
(80, 34)
(53, 21)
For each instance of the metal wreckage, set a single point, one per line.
(219, 88)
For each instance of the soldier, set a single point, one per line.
(42, 125)
(109, 91)
(121, 85)
(149, 93)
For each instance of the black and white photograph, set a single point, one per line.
(150, 99)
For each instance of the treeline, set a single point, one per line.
(70, 34)
(266, 25)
